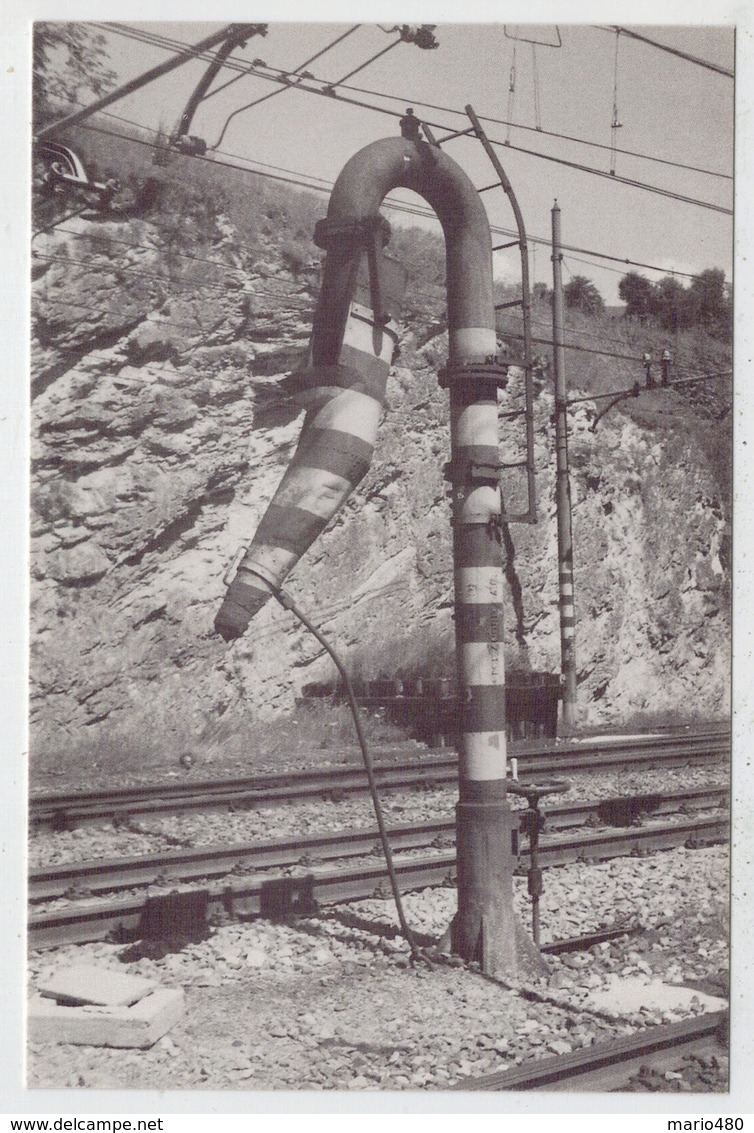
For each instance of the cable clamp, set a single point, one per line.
(356, 230)
(478, 471)
(235, 563)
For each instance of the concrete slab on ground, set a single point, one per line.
(86, 984)
(139, 1025)
(623, 995)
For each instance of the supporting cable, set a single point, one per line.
(706, 63)
(330, 87)
(616, 124)
(535, 79)
(288, 604)
(511, 96)
(327, 186)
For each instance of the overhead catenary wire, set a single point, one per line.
(415, 210)
(164, 279)
(691, 379)
(333, 43)
(510, 123)
(706, 63)
(326, 187)
(328, 92)
(159, 321)
(299, 180)
(418, 102)
(504, 331)
(615, 178)
(575, 346)
(411, 210)
(107, 237)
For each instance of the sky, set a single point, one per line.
(669, 108)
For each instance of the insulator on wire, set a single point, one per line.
(420, 34)
(511, 94)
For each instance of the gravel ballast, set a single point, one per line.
(332, 1002)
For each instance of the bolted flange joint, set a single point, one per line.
(462, 372)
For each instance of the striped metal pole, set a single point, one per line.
(563, 487)
(485, 928)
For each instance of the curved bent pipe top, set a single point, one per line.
(351, 353)
(394, 163)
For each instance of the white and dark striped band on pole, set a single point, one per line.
(566, 600)
(477, 556)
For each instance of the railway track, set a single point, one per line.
(110, 875)
(228, 890)
(70, 809)
(609, 1066)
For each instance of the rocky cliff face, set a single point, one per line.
(160, 432)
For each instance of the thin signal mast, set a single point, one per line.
(563, 487)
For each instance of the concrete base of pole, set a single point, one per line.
(486, 928)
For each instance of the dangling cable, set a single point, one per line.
(378, 55)
(616, 125)
(511, 95)
(537, 115)
(288, 604)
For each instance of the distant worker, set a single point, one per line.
(410, 126)
(666, 367)
(647, 360)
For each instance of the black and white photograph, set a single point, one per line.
(380, 512)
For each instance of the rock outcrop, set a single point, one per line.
(161, 430)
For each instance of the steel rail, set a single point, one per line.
(609, 1065)
(109, 874)
(234, 897)
(63, 809)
